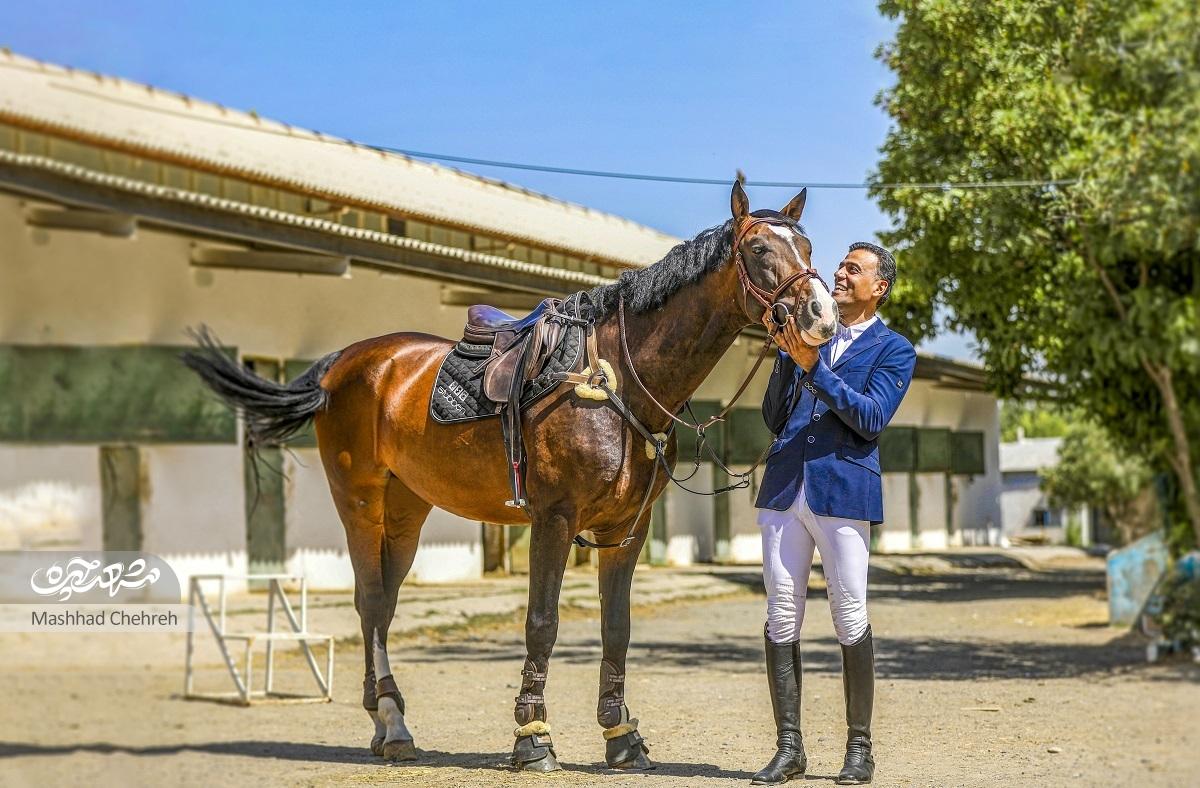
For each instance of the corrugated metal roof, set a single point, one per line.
(161, 124)
(166, 193)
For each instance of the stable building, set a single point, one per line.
(129, 214)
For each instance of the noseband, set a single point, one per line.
(768, 298)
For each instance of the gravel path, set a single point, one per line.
(993, 675)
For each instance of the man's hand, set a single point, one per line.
(788, 337)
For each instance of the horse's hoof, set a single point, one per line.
(400, 750)
(377, 746)
(547, 764)
(640, 763)
(535, 753)
(628, 752)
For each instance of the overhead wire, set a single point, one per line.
(633, 176)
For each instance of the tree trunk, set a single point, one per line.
(1181, 458)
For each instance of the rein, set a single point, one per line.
(769, 300)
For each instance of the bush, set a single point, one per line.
(1180, 614)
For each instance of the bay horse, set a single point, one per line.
(388, 462)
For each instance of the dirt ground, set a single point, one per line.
(987, 676)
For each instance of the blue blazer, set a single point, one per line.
(830, 444)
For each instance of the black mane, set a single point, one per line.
(648, 288)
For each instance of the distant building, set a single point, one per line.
(1027, 511)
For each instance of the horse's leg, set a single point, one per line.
(549, 546)
(624, 747)
(383, 523)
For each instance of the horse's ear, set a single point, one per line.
(796, 206)
(739, 203)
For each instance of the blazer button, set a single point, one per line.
(816, 417)
(811, 439)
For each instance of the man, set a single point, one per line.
(822, 489)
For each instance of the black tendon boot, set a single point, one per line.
(783, 676)
(858, 678)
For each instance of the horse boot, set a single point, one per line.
(533, 751)
(784, 679)
(624, 747)
(858, 678)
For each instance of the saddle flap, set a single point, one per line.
(499, 374)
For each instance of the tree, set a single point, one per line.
(1032, 421)
(1090, 279)
(1092, 471)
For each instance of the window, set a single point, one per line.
(1046, 518)
(967, 453)
(933, 449)
(898, 449)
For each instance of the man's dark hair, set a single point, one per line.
(885, 265)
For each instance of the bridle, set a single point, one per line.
(768, 298)
(779, 315)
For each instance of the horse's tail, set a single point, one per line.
(273, 411)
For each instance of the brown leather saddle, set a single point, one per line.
(520, 348)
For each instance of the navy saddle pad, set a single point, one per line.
(458, 390)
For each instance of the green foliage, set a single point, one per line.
(1093, 286)
(1180, 615)
(1035, 420)
(1092, 471)
(1073, 533)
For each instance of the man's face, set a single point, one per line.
(857, 281)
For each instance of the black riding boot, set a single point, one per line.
(783, 676)
(858, 678)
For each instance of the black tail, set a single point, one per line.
(273, 411)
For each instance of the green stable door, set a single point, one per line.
(266, 537)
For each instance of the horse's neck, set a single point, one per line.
(676, 347)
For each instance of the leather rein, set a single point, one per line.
(769, 299)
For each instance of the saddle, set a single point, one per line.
(518, 350)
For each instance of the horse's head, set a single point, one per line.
(774, 259)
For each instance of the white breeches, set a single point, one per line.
(788, 540)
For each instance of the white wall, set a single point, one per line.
(894, 534)
(50, 497)
(315, 539)
(193, 509)
(691, 525)
(451, 549)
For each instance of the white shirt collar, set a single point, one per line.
(853, 332)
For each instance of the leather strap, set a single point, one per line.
(387, 687)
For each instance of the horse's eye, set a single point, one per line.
(759, 250)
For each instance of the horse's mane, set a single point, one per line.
(649, 288)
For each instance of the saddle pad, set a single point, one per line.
(458, 390)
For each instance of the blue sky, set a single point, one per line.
(784, 91)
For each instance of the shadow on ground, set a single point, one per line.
(980, 577)
(898, 657)
(325, 753)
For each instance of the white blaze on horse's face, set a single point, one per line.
(818, 316)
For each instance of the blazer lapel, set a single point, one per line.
(868, 339)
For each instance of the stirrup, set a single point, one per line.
(520, 503)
